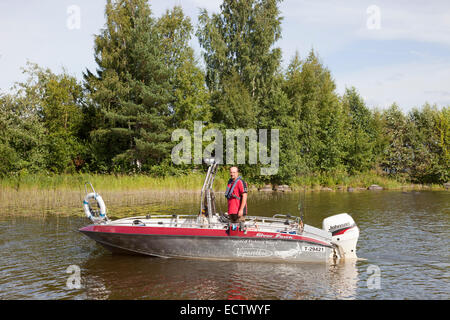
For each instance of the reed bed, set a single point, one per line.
(63, 194)
(68, 202)
(341, 181)
(103, 182)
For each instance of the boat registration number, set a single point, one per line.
(313, 249)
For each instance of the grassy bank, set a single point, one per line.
(103, 182)
(342, 181)
(64, 193)
(192, 182)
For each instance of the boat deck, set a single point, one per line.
(277, 224)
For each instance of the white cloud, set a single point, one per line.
(412, 23)
(400, 20)
(37, 31)
(409, 85)
(334, 27)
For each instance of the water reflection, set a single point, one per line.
(344, 279)
(406, 235)
(156, 278)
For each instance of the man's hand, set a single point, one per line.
(241, 212)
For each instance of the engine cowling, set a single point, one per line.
(344, 234)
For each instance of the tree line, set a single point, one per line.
(147, 83)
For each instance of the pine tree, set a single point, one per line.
(131, 89)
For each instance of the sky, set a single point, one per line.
(390, 51)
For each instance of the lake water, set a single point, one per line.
(404, 245)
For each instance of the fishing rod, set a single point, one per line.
(301, 208)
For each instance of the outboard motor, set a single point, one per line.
(344, 234)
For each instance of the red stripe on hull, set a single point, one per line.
(197, 232)
(336, 233)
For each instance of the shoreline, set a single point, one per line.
(193, 182)
(63, 194)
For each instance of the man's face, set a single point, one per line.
(233, 173)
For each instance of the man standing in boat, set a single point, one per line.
(236, 194)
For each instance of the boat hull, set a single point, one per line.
(210, 244)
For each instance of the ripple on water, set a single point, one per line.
(405, 236)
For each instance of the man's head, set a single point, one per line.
(234, 172)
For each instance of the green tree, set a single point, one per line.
(62, 97)
(276, 115)
(318, 114)
(190, 97)
(442, 128)
(22, 133)
(42, 119)
(233, 105)
(239, 54)
(360, 132)
(131, 89)
(9, 157)
(397, 154)
(427, 150)
(304, 116)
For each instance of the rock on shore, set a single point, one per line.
(282, 188)
(267, 187)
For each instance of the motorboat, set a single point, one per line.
(211, 235)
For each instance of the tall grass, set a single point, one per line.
(65, 193)
(102, 182)
(191, 182)
(339, 180)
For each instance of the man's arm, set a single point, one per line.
(243, 203)
(243, 192)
